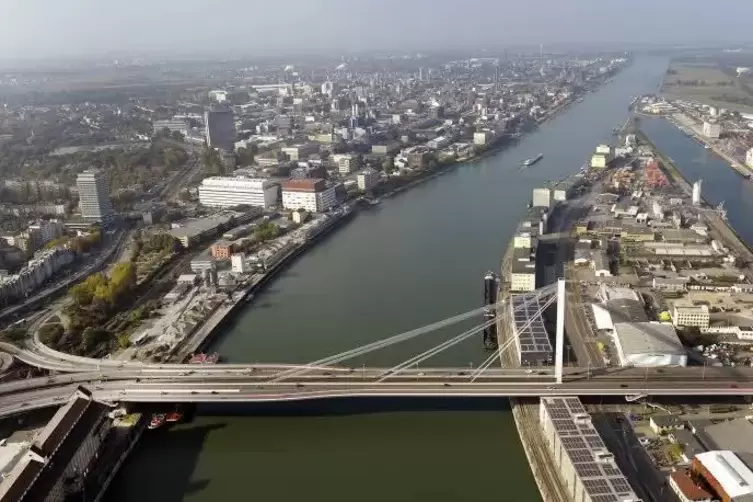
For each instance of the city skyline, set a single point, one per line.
(85, 28)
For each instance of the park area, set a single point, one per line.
(707, 83)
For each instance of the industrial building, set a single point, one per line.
(542, 197)
(229, 191)
(313, 195)
(190, 231)
(220, 128)
(94, 196)
(532, 342)
(586, 466)
(523, 270)
(61, 463)
(729, 478)
(648, 344)
(172, 125)
(691, 316)
(712, 130)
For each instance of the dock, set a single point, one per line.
(525, 411)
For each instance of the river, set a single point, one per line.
(417, 258)
(720, 182)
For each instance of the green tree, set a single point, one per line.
(50, 334)
(388, 166)
(177, 136)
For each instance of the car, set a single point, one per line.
(214, 392)
(734, 386)
(194, 392)
(551, 387)
(422, 374)
(528, 372)
(446, 384)
(299, 385)
(623, 385)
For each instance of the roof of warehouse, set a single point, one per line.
(729, 471)
(650, 338)
(593, 463)
(533, 338)
(735, 435)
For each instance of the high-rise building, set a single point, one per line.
(94, 196)
(220, 132)
(367, 179)
(697, 192)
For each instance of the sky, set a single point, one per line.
(75, 28)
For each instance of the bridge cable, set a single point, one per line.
(433, 351)
(453, 341)
(365, 349)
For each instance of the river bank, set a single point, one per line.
(725, 231)
(412, 262)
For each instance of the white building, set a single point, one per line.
(523, 271)
(692, 316)
(648, 344)
(542, 197)
(749, 158)
(238, 263)
(711, 130)
(697, 193)
(313, 195)
(482, 138)
(347, 163)
(367, 179)
(94, 196)
(228, 191)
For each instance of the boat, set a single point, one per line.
(201, 358)
(250, 298)
(530, 162)
(707, 147)
(174, 416)
(157, 421)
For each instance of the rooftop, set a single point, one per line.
(593, 463)
(649, 338)
(689, 488)
(534, 338)
(729, 471)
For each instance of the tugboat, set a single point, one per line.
(157, 421)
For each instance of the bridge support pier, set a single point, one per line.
(559, 349)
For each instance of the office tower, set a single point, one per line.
(220, 128)
(94, 196)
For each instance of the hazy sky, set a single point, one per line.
(51, 28)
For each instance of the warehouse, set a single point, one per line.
(586, 465)
(727, 475)
(648, 344)
(532, 343)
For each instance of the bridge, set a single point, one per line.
(329, 377)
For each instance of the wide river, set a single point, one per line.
(417, 258)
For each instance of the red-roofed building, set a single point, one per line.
(688, 490)
(309, 194)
